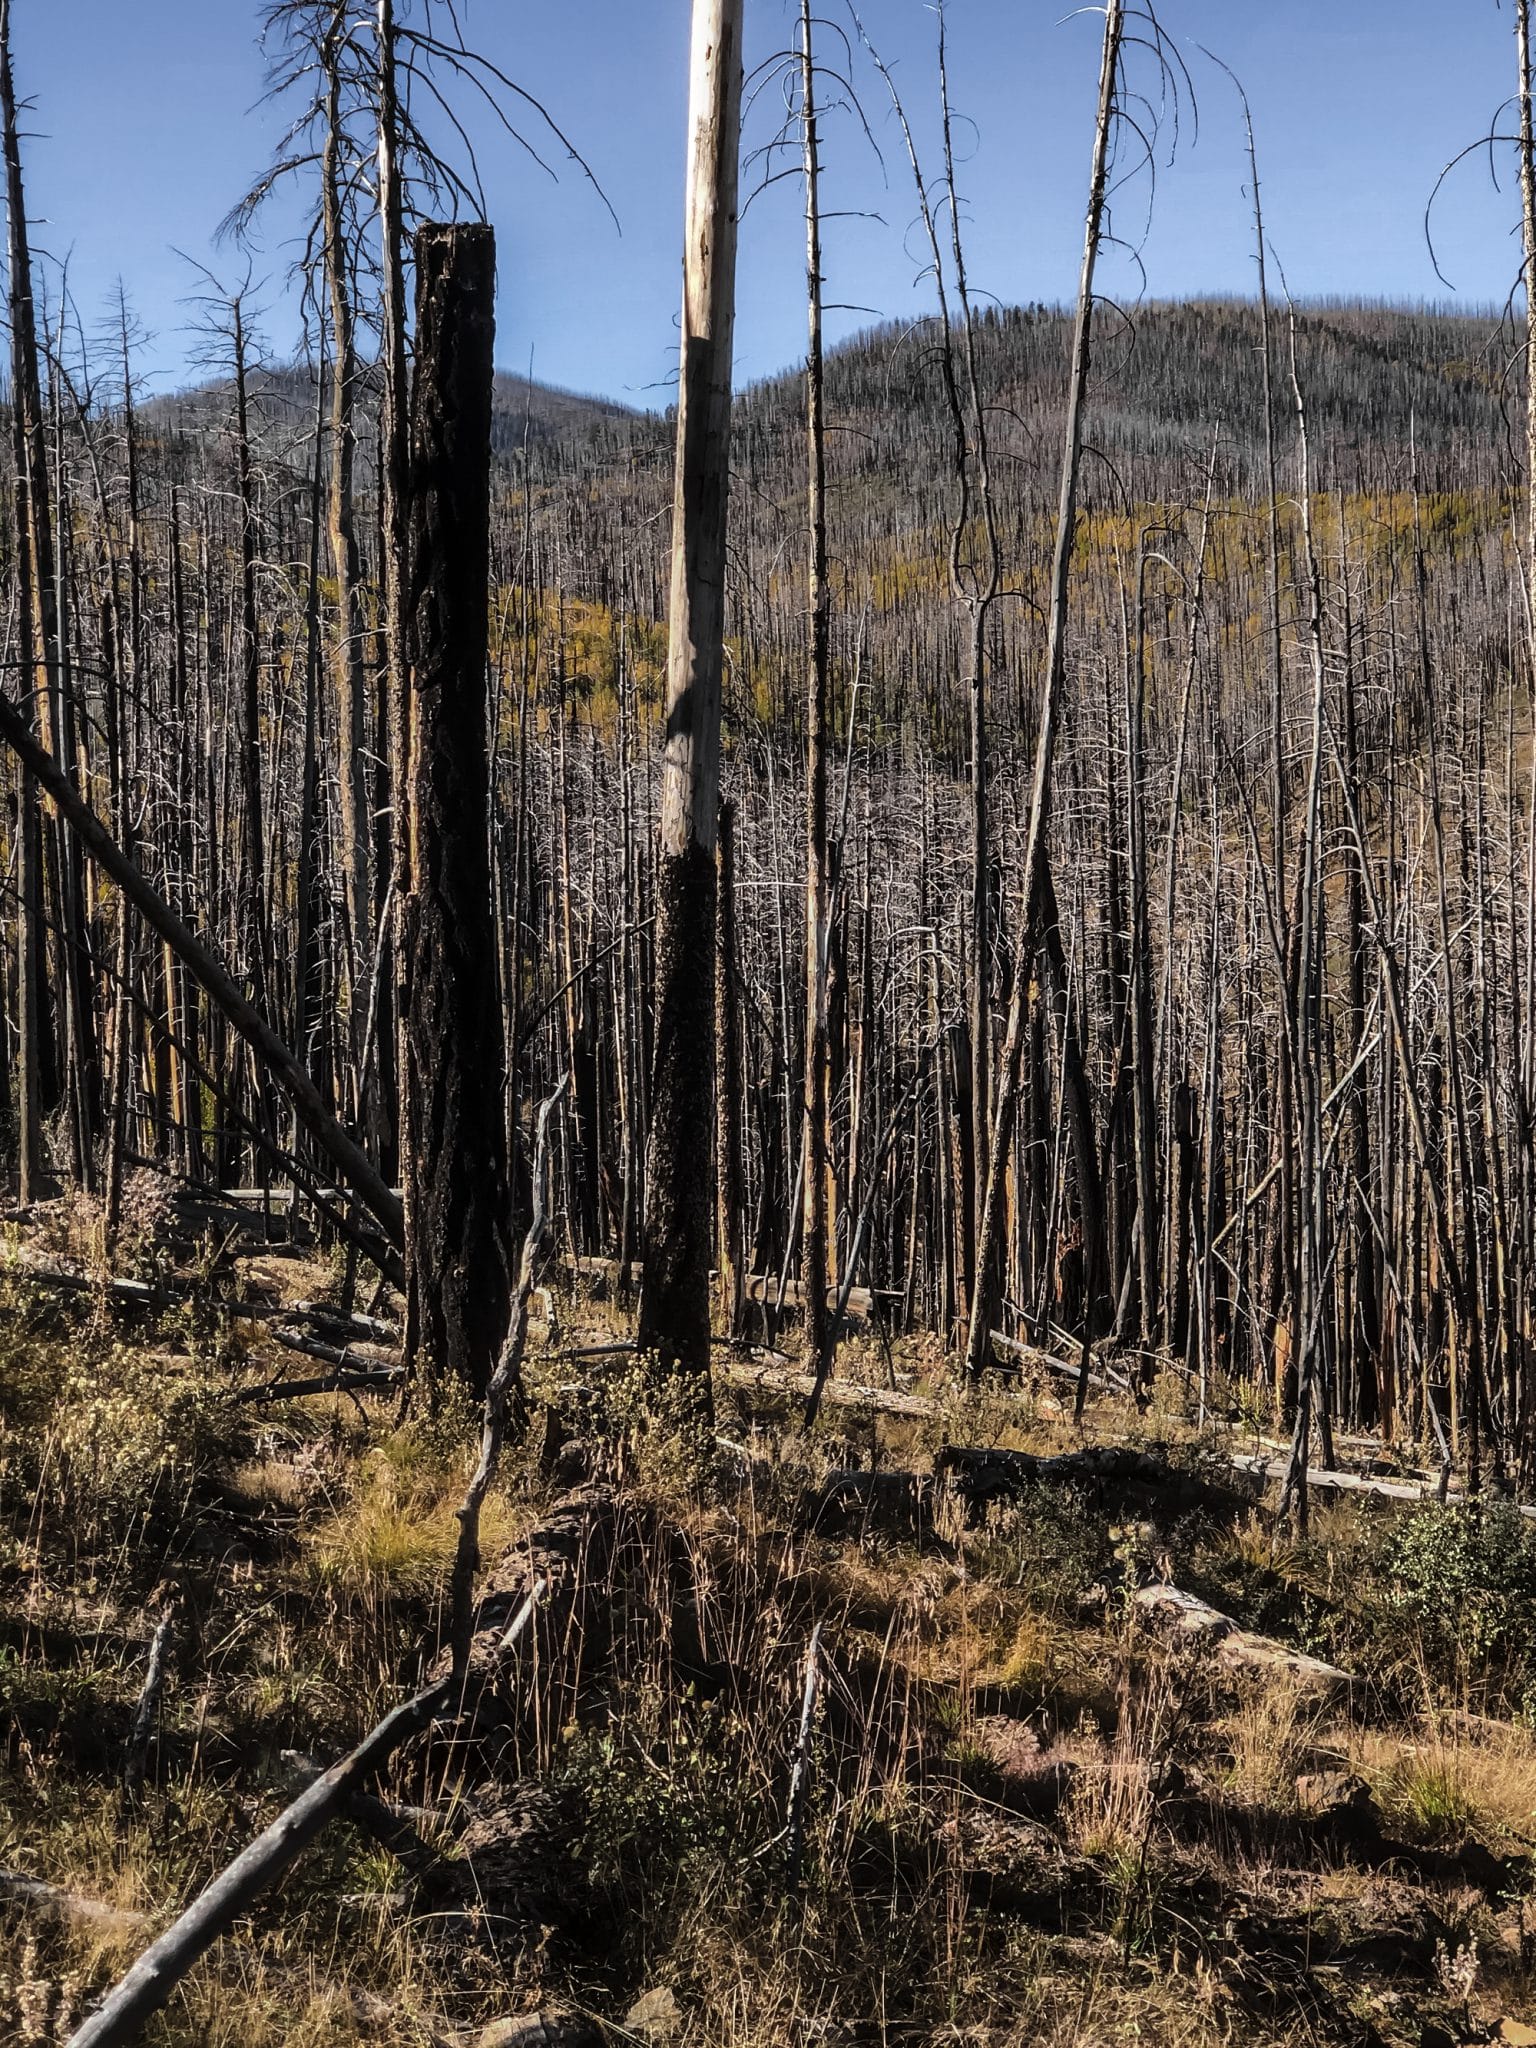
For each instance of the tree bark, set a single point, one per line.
(457, 1166)
(674, 1303)
(818, 1163)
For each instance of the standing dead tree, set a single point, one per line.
(39, 665)
(674, 1302)
(458, 1259)
(816, 1265)
(1055, 678)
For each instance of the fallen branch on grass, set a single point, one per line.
(395, 1828)
(148, 1985)
(147, 1707)
(356, 1327)
(135, 1294)
(770, 1379)
(1324, 1479)
(342, 1356)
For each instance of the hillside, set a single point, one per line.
(283, 399)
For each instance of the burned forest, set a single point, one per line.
(767, 1158)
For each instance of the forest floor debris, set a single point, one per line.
(1030, 1816)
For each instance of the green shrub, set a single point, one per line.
(1467, 1573)
(1053, 1542)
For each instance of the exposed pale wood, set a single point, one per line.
(772, 1379)
(674, 1299)
(147, 1706)
(1193, 1616)
(800, 1778)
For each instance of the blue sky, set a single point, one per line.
(144, 128)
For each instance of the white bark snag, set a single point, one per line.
(674, 1305)
(32, 550)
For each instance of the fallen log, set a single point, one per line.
(1235, 1645)
(38, 1896)
(764, 1288)
(137, 1294)
(146, 1296)
(397, 1829)
(341, 1356)
(361, 1380)
(1325, 1479)
(1105, 1380)
(356, 1326)
(771, 1379)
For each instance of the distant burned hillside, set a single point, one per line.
(283, 400)
(1385, 389)
(1372, 377)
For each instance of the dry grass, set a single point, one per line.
(1454, 1776)
(933, 1906)
(1273, 1735)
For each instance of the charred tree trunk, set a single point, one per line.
(458, 1162)
(815, 1264)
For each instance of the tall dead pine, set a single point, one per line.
(816, 1266)
(34, 567)
(1035, 864)
(674, 1304)
(458, 1162)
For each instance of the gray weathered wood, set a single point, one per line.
(674, 1301)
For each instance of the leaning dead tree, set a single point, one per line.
(674, 1302)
